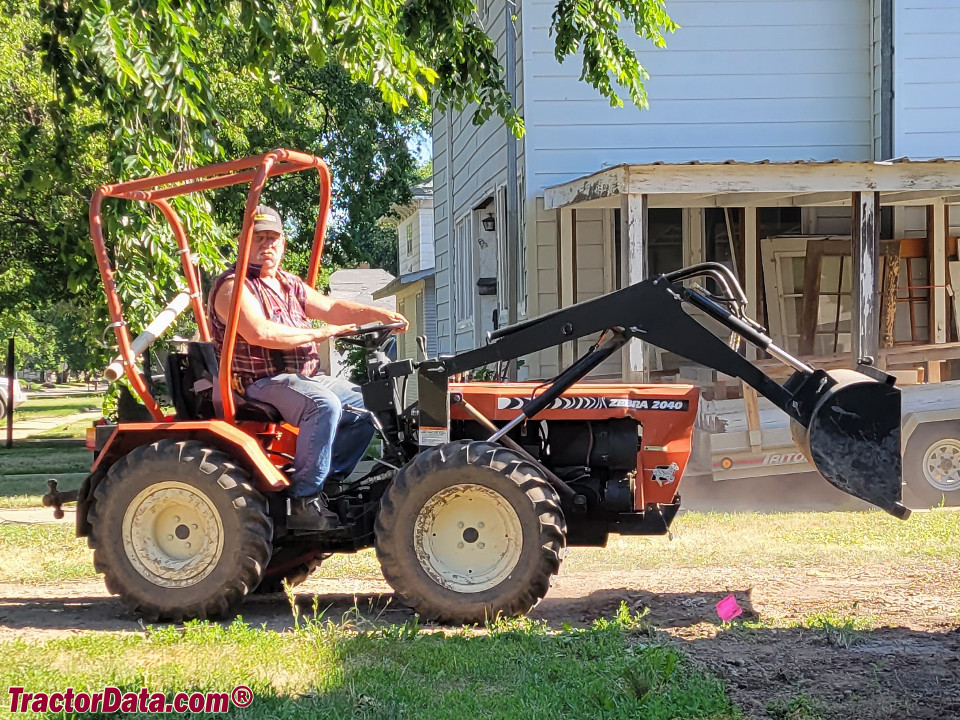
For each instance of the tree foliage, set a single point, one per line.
(148, 52)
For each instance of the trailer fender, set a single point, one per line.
(912, 421)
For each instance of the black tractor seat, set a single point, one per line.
(192, 381)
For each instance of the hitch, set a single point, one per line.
(55, 499)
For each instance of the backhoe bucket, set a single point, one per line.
(853, 439)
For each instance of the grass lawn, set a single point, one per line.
(39, 406)
(516, 669)
(794, 539)
(25, 468)
(750, 540)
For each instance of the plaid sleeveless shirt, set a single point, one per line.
(253, 362)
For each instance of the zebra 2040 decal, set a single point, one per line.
(598, 403)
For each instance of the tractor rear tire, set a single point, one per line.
(470, 531)
(179, 532)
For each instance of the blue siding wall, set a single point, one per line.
(742, 79)
(926, 59)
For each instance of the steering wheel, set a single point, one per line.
(370, 336)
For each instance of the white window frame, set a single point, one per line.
(503, 255)
(409, 232)
(462, 272)
(522, 286)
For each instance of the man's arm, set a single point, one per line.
(322, 307)
(257, 329)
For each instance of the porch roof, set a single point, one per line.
(762, 184)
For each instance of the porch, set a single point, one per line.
(839, 260)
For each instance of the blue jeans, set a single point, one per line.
(332, 440)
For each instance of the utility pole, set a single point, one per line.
(10, 374)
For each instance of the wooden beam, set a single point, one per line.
(605, 183)
(755, 199)
(937, 248)
(892, 198)
(633, 239)
(819, 199)
(844, 177)
(866, 274)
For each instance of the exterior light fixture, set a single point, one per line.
(488, 222)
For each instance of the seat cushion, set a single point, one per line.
(255, 411)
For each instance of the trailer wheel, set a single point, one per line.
(470, 531)
(179, 531)
(931, 465)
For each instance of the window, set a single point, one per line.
(664, 242)
(462, 276)
(410, 236)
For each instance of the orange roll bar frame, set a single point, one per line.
(255, 170)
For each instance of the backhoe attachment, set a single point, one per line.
(846, 422)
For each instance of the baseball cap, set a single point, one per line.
(266, 218)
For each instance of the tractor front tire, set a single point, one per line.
(470, 531)
(179, 532)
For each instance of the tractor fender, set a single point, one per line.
(244, 449)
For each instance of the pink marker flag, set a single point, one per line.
(728, 608)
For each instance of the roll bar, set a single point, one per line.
(255, 170)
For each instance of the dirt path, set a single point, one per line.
(909, 667)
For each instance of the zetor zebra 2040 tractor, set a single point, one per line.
(481, 486)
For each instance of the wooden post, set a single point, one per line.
(937, 256)
(633, 234)
(11, 369)
(566, 269)
(751, 244)
(693, 217)
(752, 407)
(866, 274)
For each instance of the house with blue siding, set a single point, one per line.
(413, 287)
(775, 128)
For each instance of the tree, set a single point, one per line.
(144, 55)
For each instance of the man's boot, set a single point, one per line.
(311, 513)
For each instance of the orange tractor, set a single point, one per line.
(480, 487)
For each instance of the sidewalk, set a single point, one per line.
(37, 515)
(24, 429)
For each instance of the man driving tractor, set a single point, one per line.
(276, 361)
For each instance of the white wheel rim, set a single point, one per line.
(172, 535)
(941, 465)
(468, 538)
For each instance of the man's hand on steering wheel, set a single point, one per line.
(394, 318)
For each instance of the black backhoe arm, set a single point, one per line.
(651, 311)
(847, 423)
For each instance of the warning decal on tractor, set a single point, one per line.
(598, 403)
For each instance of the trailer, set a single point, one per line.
(749, 437)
